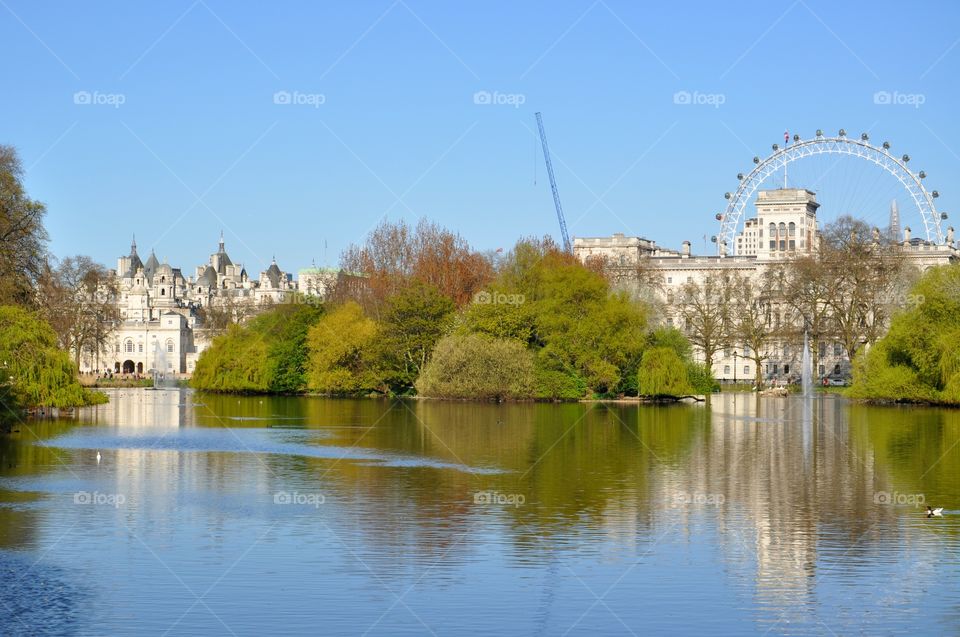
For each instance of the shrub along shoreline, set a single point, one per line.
(434, 319)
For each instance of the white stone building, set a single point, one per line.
(785, 226)
(159, 314)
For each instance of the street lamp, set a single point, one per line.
(734, 367)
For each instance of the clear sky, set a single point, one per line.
(295, 126)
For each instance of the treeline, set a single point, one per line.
(918, 360)
(34, 370)
(425, 314)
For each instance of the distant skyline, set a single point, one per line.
(297, 126)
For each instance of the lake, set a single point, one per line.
(219, 515)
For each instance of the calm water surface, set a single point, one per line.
(255, 516)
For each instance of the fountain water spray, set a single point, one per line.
(806, 370)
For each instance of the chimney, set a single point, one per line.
(950, 235)
(723, 248)
(876, 235)
(906, 235)
(685, 250)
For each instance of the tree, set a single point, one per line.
(342, 359)
(867, 278)
(78, 298)
(22, 235)
(704, 309)
(268, 354)
(394, 256)
(36, 372)
(478, 366)
(750, 322)
(415, 319)
(663, 373)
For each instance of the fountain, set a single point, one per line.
(806, 371)
(159, 366)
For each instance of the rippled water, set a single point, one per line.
(254, 516)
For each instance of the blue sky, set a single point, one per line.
(184, 135)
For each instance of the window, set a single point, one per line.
(782, 229)
(746, 350)
(837, 349)
(773, 244)
(836, 369)
(669, 279)
(128, 346)
(823, 370)
(170, 346)
(164, 292)
(726, 370)
(163, 279)
(786, 369)
(793, 244)
(140, 348)
(726, 352)
(773, 230)
(746, 370)
(783, 244)
(761, 233)
(823, 349)
(793, 229)
(776, 368)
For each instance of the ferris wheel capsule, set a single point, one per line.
(713, 239)
(796, 137)
(727, 195)
(943, 216)
(776, 148)
(864, 136)
(906, 158)
(719, 216)
(922, 175)
(756, 160)
(843, 133)
(935, 194)
(819, 133)
(740, 176)
(886, 145)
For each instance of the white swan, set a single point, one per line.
(934, 512)
(98, 457)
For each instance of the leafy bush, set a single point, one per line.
(557, 385)
(701, 378)
(478, 366)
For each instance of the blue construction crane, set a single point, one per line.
(553, 186)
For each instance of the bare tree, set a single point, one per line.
(705, 310)
(750, 322)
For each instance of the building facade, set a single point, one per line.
(785, 227)
(160, 312)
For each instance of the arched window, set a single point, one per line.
(783, 229)
(793, 229)
(128, 346)
(163, 279)
(773, 230)
(170, 346)
(163, 292)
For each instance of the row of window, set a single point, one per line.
(128, 347)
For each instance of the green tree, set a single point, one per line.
(663, 373)
(415, 319)
(342, 359)
(36, 373)
(478, 366)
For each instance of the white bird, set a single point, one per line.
(934, 512)
(98, 457)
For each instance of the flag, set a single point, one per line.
(786, 137)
